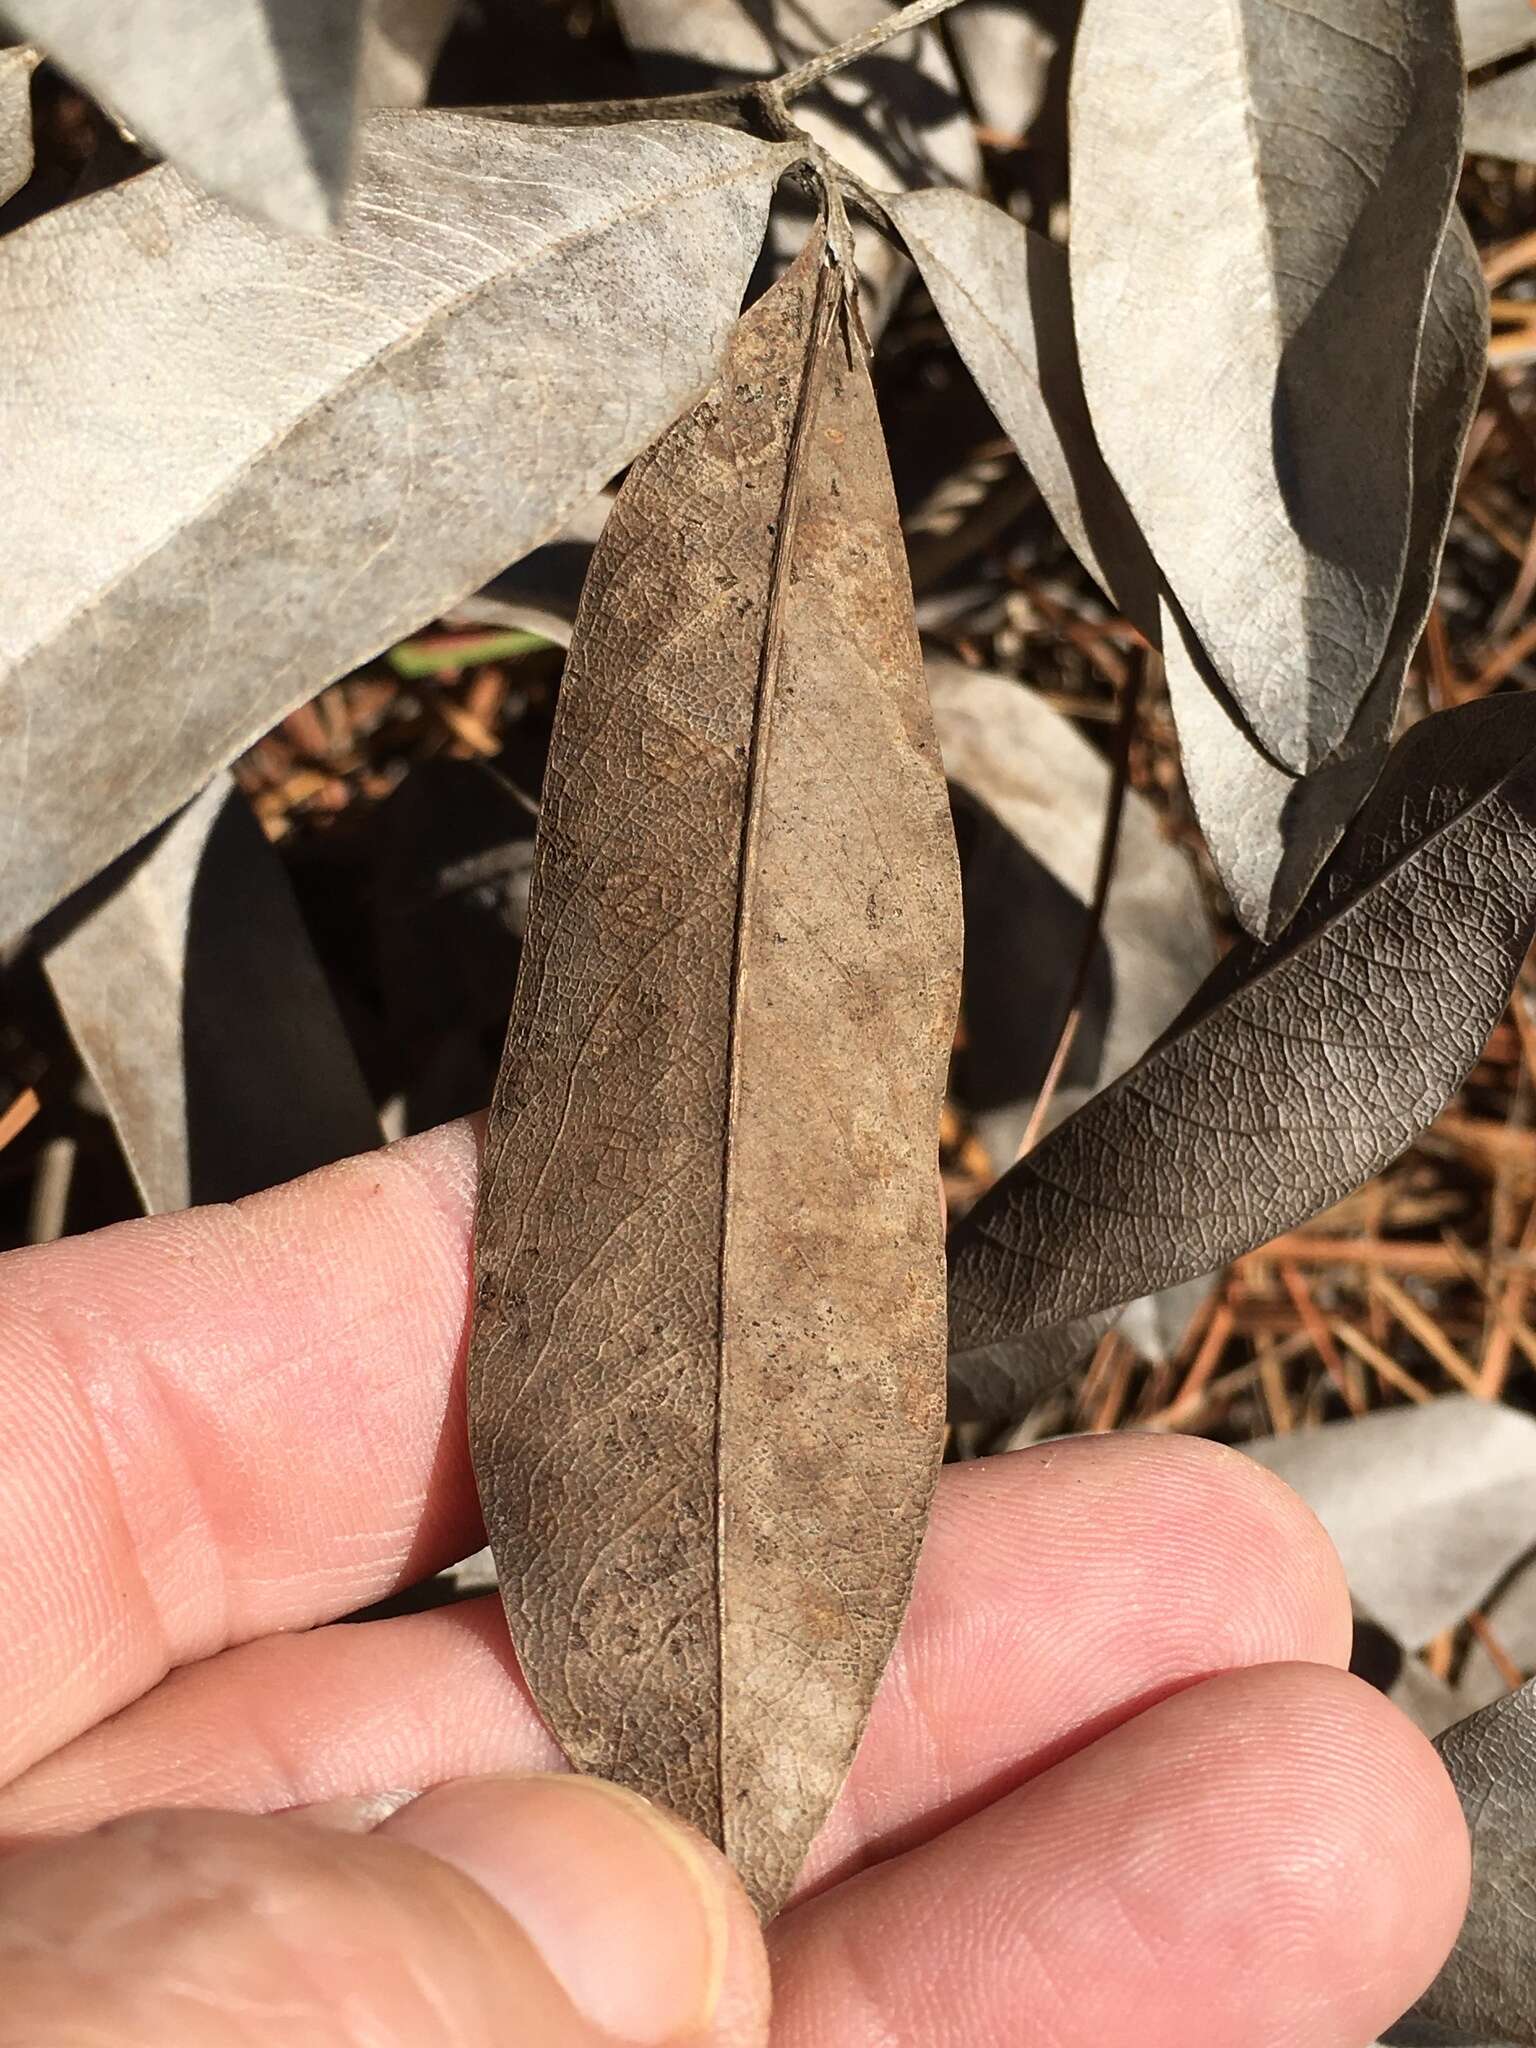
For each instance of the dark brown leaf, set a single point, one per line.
(707, 1372)
(1299, 1070)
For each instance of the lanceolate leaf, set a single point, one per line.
(1488, 1988)
(16, 68)
(254, 99)
(706, 1380)
(1288, 171)
(202, 418)
(1005, 296)
(1302, 1068)
(190, 988)
(1270, 832)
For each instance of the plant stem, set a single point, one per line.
(1108, 846)
(814, 69)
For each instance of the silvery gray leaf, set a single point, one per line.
(1270, 832)
(895, 119)
(1264, 445)
(253, 99)
(1049, 788)
(16, 68)
(401, 41)
(242, 464)
(1428, 1506)
(1501, 116)
(192, 993)
(1301, 1068)
(1491, 29)
(1004, 293)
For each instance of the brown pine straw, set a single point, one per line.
(15, 1119)
(1321, 1337)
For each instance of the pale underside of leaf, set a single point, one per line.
(1501, 116)
(203, 419)
(1488, 1988)
(1264, 446)
(254, 100)
(1006, 52)
(16, 68)
(1004, 293)
(1491, 29)
(1270, 832)
(192, 992)
(1428, 1506)
(401, 42)
(1045, 785)
(706, 1377)
(1302, 1068)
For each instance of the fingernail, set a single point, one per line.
(617, 1899)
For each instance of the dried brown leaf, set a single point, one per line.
(706, 1380)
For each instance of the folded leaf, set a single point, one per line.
(707, 1371)
(190, 987)
(254, 99)
(1302, 1067)
(509, 317)
(1488, 1988)
(1005, 295)
(1289, 172)
(16, 68)
(1270, 832)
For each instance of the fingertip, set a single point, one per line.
(1330, 1824)
(642, 1922)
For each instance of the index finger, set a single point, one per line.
(228, 1422)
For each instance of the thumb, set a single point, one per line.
(558, 1912)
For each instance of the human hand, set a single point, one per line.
(1116, 1789)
